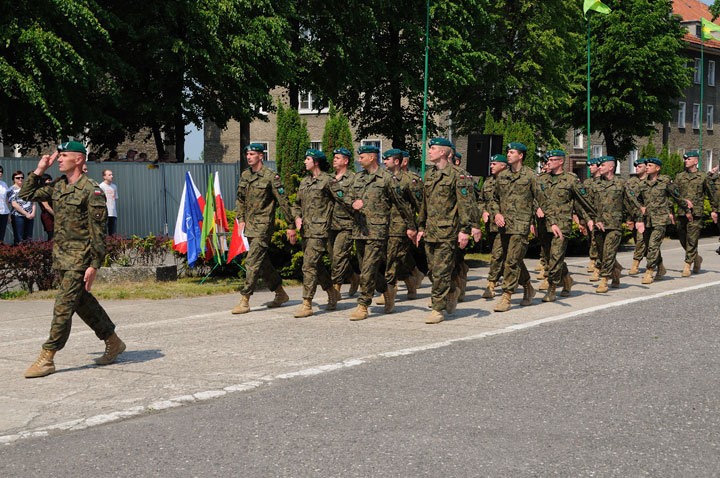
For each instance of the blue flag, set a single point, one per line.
(192, 218)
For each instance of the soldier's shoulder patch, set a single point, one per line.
(582, 191)
(340, 194)
(277, 176)
(542, 186)
(417, 194)
(463, 191)
(281, 190)
(98, 192)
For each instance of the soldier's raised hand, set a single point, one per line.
(45, 162)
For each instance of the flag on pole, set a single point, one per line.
(238, 243)
(707, 28)
(208, 226)
(188, 225)
(595, 5)
(221, 224)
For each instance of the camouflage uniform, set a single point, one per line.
(340, 236)
(377, 191)
(496, 254)
(79, 243)
(258, 194)
(694, 187)
(594, 250)
(515, 196)
(443, 214)
(470, 200)
(416, 256)
(637, 185)
(541, 227)
(399, 262)
(656, 199)
(314, 204)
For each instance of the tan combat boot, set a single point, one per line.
(541, 273)
(696, 264)
(528, 294)
(595, 275)
(435, 317)
(504, 304)
(462, 284)
(616, 276)
(360, 313)
(389, 295)
(333, 297)
(380, 300)
(567, 282)
(591, 266)
(242, 307)
(602, 286)
(452, 301)
(550, 294)
(411, 286)
(544, 285)
(354, 284)
(113, 347)
(489, 290)
(538, 267)
(305, 309)
(661, 271)
(419, 276)
(43, 366)
(280, 298)
(686, 270)
(635, 268)
(648, 277)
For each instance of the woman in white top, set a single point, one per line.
(4, 207)
(23, 212)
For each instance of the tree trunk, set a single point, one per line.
(157, 136)
(179, 127)
(610, 144)
(244, 141)
(294, 87)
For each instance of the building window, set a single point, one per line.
(632, 158)
(316, 145)
(596, 150)
(698, 30)
(372, 142)
(696, 73)
(578, 139)
(711, 73)
(681, 114)
(710, 116)
(696, 116)
(306, 106)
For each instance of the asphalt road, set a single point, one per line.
(626, 392)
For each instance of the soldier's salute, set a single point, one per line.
(341, 225)
(563, 193)
(498, 163)
(373, 191)
(444, 223)
(693, 185)
(657, 215)
(78, 252)
(637, 184)
(516, 194)
(259, 192)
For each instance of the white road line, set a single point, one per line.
(83, 423)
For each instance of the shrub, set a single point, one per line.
(136, 251)
(29, 263)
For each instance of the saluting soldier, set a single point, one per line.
(373, 192)
(78, 252)
(260, 191)
(693, 185)
(657, 215)
(341, 225)
(637, 184)
(313, 212)
(563, 193)
(444, 223)
(498, 163)
(515, 196)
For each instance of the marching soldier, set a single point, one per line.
(498, 163)
(259, 192)
(416, 258)
(544, 236)
(340, 237)
(594, 169)
(637, 184)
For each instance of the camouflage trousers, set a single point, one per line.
(257, 265)
(653, 241)
(340, 245)
(72, 297)
(556, 267)
(496, 257)
(689, 234)
(640, 246)
(545, 238)
(514, 247)
(608, 244)
(371, 255)
(399, 262)
(594, 249)
(441, 261)
(313, 268)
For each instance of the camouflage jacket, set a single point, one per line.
(614, 202)
(342, 219)
(377, 192)
(516, 197)
(257, 196)
(714, 180)
(314, 204)
(416, 190)
(695, 186)
(444, 211)
(484, 200)
(80, 220)
(470, 197)
(563, 195)
(403, 186)
(636, 184)
(656, 199)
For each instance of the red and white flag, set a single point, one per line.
(221, 224)
(238, 243)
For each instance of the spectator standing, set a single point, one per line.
(111, 196)
(113, 156)
(23, 212)
(4, 207)
(47, 215)
(142, 157)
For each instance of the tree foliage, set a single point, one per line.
(292, 142)
(672, 163)
(514, 131)
(337, 133)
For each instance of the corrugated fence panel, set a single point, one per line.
(148, 199)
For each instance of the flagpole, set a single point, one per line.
(702, 84)
(588, 97)
(427, 50)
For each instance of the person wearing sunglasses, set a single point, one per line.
(23, 212)
(4, 207)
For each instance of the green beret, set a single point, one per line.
(458, 155)
(368, 148)
(441, 142)
(691, 154)
(518, 146)
(640, 161)
(72, 146)
(554, 153)
(498, 158)
(405, 154)
(315, 153)
(343, 151)
(654, 161)
(593, 161)
(605, 159)
(392, 152)
(255, 147)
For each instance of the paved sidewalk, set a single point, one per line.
(177, 348)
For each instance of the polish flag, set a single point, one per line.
(220, 217)
(238, 243)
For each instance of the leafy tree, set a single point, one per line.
(337, 133)
(672, 162)
(291, 148)
(628, 98)
(514, 131)
(648, 151)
